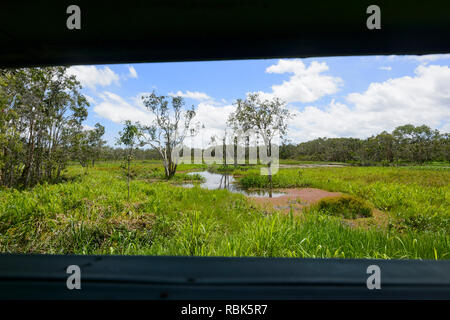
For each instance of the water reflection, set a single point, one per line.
(214, 181)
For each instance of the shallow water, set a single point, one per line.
(215, 181)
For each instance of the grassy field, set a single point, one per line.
(88, 213)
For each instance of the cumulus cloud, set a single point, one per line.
(213, 116)
(422, 59)
(307, 84)
(115, 108)
(199, 96)
(421, 99)
(212, 119)
(91, 76)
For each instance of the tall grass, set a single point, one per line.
(419, 197)
(90, 214)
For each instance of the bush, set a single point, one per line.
(348, 207)
(421, 222)
(283, 179)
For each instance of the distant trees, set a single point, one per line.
(168, 130)
(88, 145)
(96, 141)
(416, 144)
(109, 153)
(407, 143)
(42, 111)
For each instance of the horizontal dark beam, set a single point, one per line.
(149, 31)
(148, 277)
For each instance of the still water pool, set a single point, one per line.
(214, 181)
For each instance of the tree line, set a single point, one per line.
(405, 144)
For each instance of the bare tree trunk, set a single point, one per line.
(269, 167)
(27, 170)
(270, 178)
(128, 175)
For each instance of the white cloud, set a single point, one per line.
(422, 59)
(87, 127)
(115, 108)
(211, 117)
(307, 84)
(200, 96)
(91, 76)
(213, 120)
(90, 99)
(132, 72)
(422, 99)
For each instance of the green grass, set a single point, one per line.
(418, 197)
(90, 214)
(349, 207)
(300, 162)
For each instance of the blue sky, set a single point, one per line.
(332, 96)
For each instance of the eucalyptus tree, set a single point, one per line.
(267, 117)
(415, 143)
(171, 125)
(87, 145)
(129, 137)
(96, 141)
(45, 108)
(11, 150)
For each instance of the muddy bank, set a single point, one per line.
(295, 198)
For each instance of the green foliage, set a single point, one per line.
(41, 115)
(348, 207)
(283, 179)
(88, 145)
(416, 196)
(90, 214)
(405, 144)
(169, 129)
(129, 137)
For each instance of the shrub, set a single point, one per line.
(421, 222)
(348, 207)
(283, 179)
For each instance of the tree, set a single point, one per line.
(129, 137)
(88, 145)
(42, 110)
(268, 117)
(11, 148)
(415, 144)
(96, 141)
(406, 143)
(218, 142)
(169, 129)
